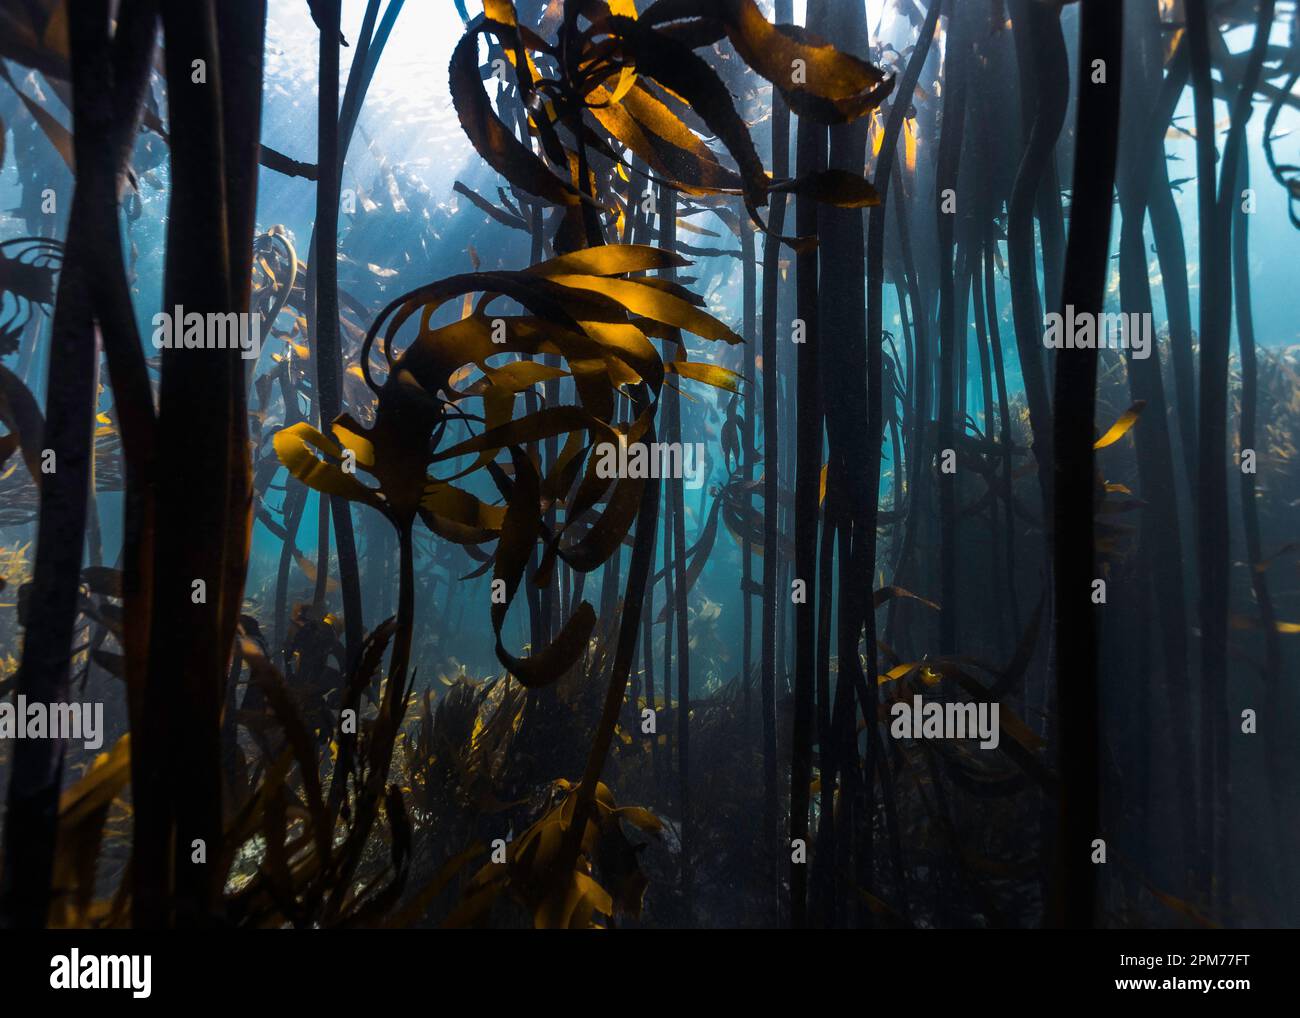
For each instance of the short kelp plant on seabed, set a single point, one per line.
(382, 642)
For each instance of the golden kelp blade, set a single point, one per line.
(1121, 427)
(294, 447)
(498, 146)
(710, 374)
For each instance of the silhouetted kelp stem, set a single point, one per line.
(1051, 231)
(676, 495)
(886, 163)
(1171, 253)
(669, 551)
(647, 657)
(820, 906)
(853, 424)
(771, 490)
(1039, 42)
(961, 322)
(106, 101)
(1273, 661)
(133, 48)
(548, 599)
(180, 802)
(337, 136)
(1086, 263)
(749, 317)
(918, 387)
(1004, 418)
(105, 107)
(1149, 105)
(544, 452)
(810, 149)
(1216, 296)
(950, 148)
(997, 582)
(982, 109)
(950, 304)
(1211, 519)
(240, 29)
(670, 596)
(326, 353)
(842, 758)
(370, 46)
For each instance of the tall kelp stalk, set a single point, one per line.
(1005, 440)
(1086, 260)
(324, 266)
(335, 128)
(853, 424)
(1040, 51)
(993, 164)
(748, 454)
(108, 81)
(1171, 253)
(178, 806)
(1211, 522)
(1150, 96)
(771, 484)
(1273, 660)
(810, 157)
(919, 383)
(240, 33)
(241, 73)
(878, 394)
(1229, 206)
(957, 61)
(679, 616)
(1216, 215)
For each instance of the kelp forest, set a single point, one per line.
(646, 464)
